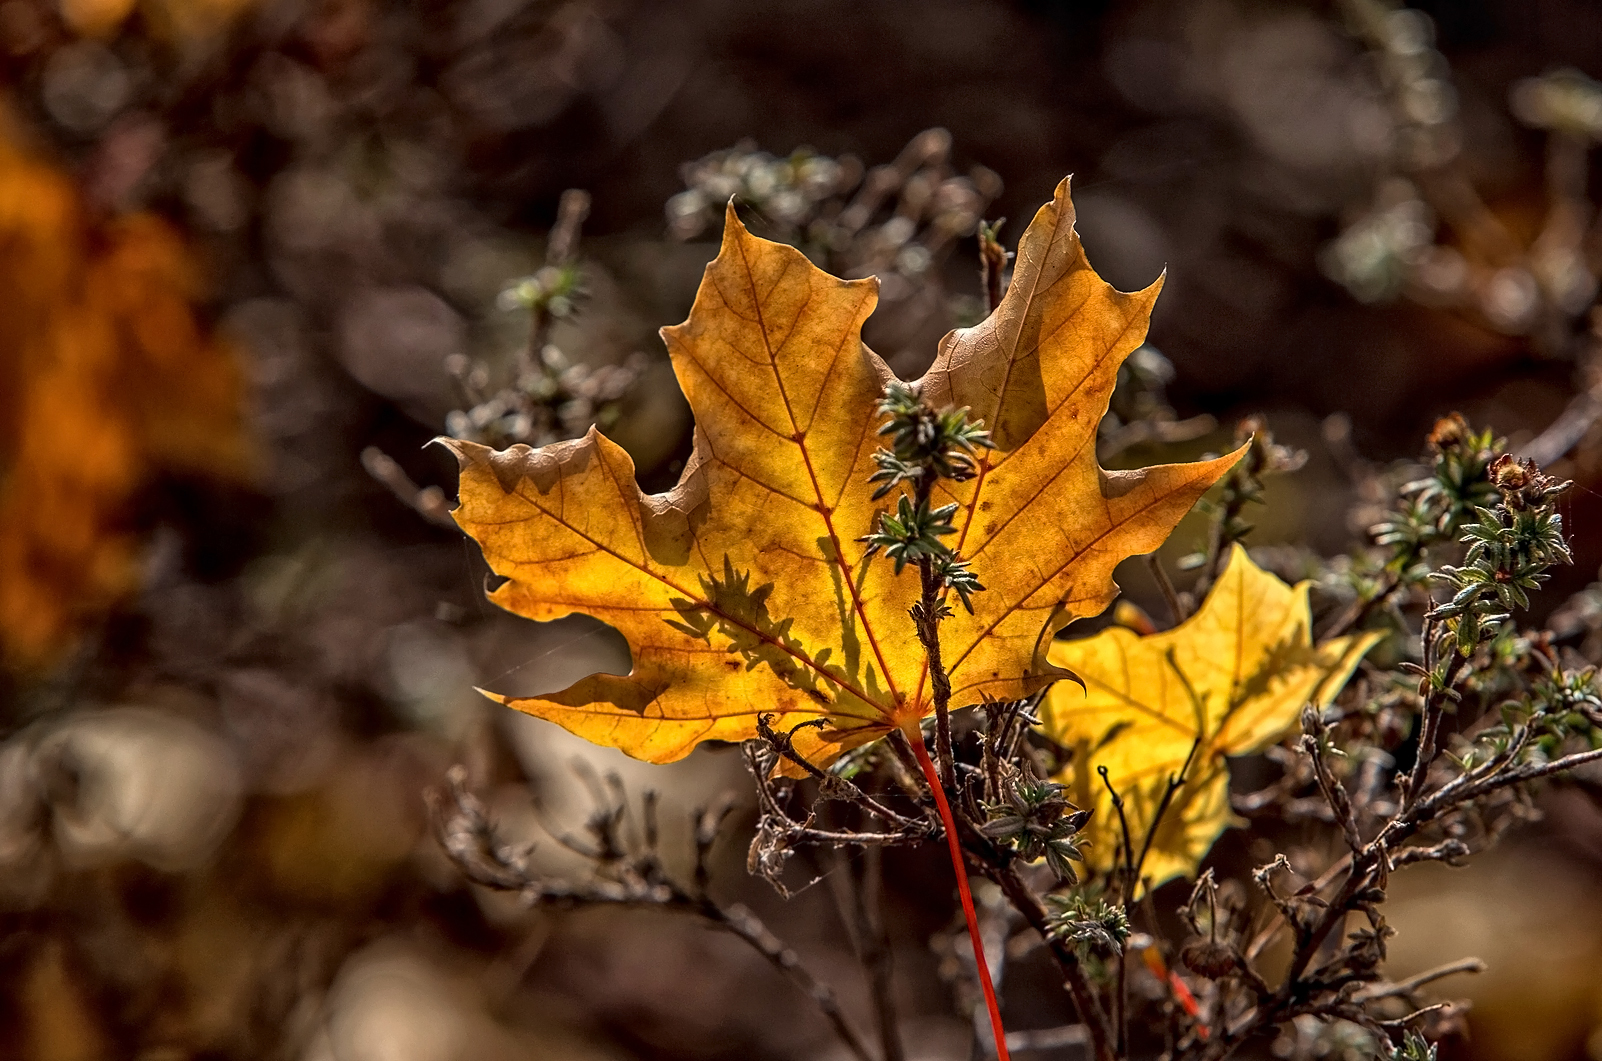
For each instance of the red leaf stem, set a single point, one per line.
(960, 869)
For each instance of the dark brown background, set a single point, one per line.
(236, 864)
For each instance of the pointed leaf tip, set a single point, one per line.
(453, 445)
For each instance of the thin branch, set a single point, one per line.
(1177, 613)
(1127, 845)
(959, 869)
(1175, 783)
(1402, 1022)
(873, 947)
(992, 263)
(997, 920)
(1448, 851)
(831, 786)
(1355, 614)
(860, 839)
(744, 924)
(464, 831)
(1090, 1010)
(1413, 983)
(1564, 433)
(1370, 866)
(1435, 806)
(427, 501)
(571, 211)
(1158, 429)
(1340, 803)
(926, 615)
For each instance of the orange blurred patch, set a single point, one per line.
(59, 1022)
(178, 21)
(107, 380)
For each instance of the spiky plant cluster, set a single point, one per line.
(913, 533)
(1558, 707)
(926, 445)
(898, 221)
(1091, 925)
(549, 396)
(1434, 507)
(554, 289)
(1414, 1048)
(1037, 822)
(1510, 549)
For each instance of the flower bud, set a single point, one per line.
(1449, 432)
(1509, 475)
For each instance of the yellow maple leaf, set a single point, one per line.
(745, 589)
(1230, 680)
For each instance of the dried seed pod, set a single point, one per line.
(1209, 958)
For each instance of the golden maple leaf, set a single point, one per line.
(107, 380)
(1230, 680)
(745, 589)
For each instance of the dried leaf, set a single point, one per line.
(744, 589)
(1230, 680)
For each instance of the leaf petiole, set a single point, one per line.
(958, 867)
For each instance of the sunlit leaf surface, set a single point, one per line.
(1230, 680)
(745, 590)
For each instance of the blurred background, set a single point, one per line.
(254, 254)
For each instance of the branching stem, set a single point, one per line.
(739, 921)
(464, 831)
(571, 211)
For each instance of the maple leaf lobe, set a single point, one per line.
(753, 558)
(1041, 371)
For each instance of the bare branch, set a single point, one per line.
(427, 501)
(1413, 983)
(468, 837)
(873, 947)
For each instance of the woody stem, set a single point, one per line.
(927, 618)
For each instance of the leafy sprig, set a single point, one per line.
(1036, 821)
(1414, 1048)
(913, 533)
(926, 445)
(1434, 508)
(1510, 549)
(1091, 925)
